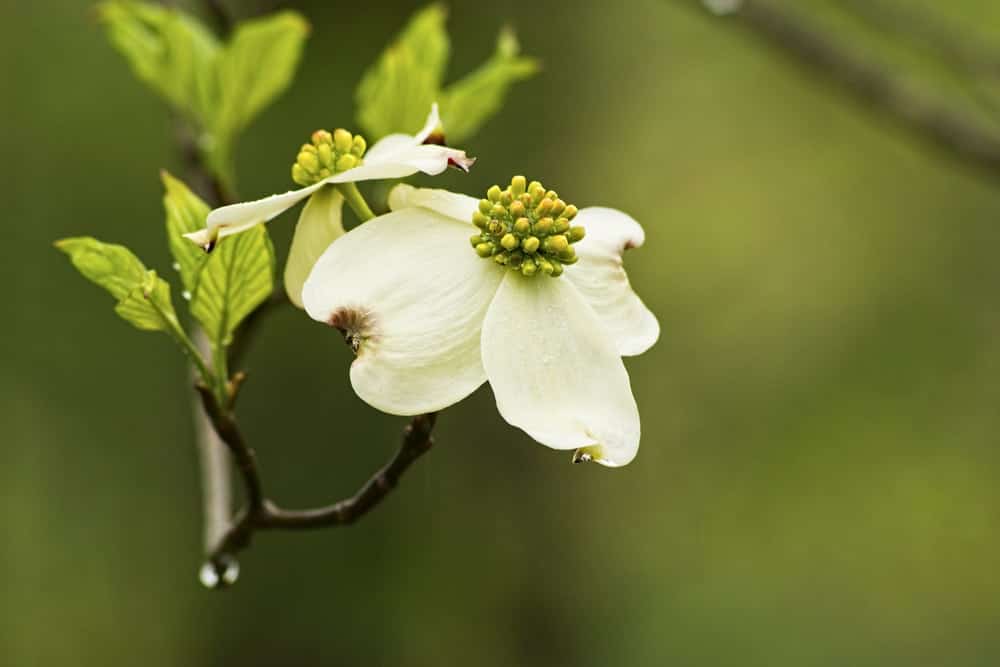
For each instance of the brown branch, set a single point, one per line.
(266, 515)
(246, 460)
(931, 120)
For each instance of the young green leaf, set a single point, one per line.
(148, 306)
(469, 102)
(219, 88)
(111, 266)
(236, 278)
(186, 212)
(143, 298)
(168, 50)
(395, 93)
(255, 67)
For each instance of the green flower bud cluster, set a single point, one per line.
(526, 228)
(328, 154)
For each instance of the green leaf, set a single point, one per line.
(149, 307)
(236, 278)
(186, 212)
(113, 267)
(257, 65)
(395, 93)
(168, 50)
(219, 88)
(143, 298)
(471, 101)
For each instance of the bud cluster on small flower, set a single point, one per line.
(526, 228)
(328, 154)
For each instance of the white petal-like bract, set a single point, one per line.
(555, 372)
(411, 297)
(395, 156)
(600, 277)
(399, 155)
(236, 218)
(459, 207)
(320, 224)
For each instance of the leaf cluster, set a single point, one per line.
(396, 91)
(219, 87)
(221, 287)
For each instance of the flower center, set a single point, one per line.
(328, 154)
(526, 228)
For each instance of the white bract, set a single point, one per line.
(332, 159)
(431, 319)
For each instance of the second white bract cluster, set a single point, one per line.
(394, 156)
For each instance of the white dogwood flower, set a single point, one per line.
(538, 307)
(329, 160)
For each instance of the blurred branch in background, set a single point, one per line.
(931, 118)
(961, 51)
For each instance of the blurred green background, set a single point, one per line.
(818, 477)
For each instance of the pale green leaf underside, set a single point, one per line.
(168, 50)
(143, 298)
(236, 278)
(148, 306)
(111, 266)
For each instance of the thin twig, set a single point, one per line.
(244, 456)
(931, 120)
(266, 515)
(213, 459)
